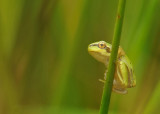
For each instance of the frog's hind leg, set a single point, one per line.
(120, 91)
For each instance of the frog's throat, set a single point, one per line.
(99, 57)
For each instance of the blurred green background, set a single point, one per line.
(45, 67)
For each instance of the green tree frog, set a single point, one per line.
(124, 75)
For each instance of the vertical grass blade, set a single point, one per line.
(153, 103)
(111, 69)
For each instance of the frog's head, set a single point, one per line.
(100, 51)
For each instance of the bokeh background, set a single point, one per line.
(45, 67)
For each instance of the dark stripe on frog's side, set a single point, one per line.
(130, 77)
(108, 50)
(119, 70)
(132, 80)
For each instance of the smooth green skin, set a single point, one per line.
(124, 76)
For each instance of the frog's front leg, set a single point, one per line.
(105, 77)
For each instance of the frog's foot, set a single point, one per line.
(119, 90)
(103, 81)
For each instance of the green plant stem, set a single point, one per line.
(111, 68)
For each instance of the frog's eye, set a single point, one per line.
(102, 45)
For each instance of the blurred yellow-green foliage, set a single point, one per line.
(45, 67)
